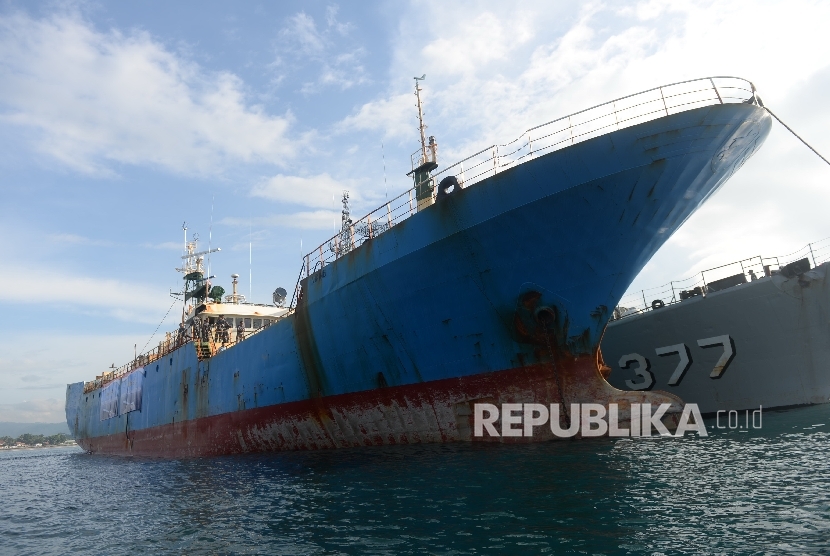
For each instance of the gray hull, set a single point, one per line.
(778, 331)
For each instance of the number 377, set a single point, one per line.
(643, 369)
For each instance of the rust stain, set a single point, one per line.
(307, 348)
(604, 369)
(202, 389)
(184, 396)
(538, 324)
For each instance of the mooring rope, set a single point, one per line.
(159, 326)
(796, 134)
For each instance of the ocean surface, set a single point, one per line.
(735, 492)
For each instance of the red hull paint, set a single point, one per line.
(438, 411)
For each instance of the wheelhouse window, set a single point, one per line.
(247, 323)
(257, 323)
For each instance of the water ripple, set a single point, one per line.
(735, 492)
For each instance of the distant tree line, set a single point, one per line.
(32, 439)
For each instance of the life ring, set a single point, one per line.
(657, 304)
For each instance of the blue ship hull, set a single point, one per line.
(500, 292)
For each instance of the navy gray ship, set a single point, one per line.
(758, 335)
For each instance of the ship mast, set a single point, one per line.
(428, 160)
(194, 271)
(421, 126)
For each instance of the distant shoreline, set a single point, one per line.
(16, 428)
(67, 444)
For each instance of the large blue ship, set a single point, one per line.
(490, 281)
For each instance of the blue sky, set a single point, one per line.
(120, 121)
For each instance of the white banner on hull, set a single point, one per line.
(131, 387)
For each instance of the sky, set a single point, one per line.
(120, 122)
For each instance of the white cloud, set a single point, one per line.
(340, 62)
(303, 31)
(29, 284)
(342, 70)
(166, 245)
(320, 191)
(394, 116)
(48, 410)
(493, 72)
(306, 220)
(476, 41)
(34, 372)
(341, 28)
(94, 98)
(488, 84)
(75, 239)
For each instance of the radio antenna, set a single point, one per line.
(210, 231)
(184, 302)
(250, 261)
(383, 154)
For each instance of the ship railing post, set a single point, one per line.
(410, 202)
(571, 130)
(672, 292)
(388, 215)
(664, 101)
(351, 234)
(703, 277)
(495, 163)
(616, 119)
(369, 224)
(529, 147)
(307, 268)
(321, 255)
(712, 81)
(810, 245)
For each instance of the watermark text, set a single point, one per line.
(587, 420)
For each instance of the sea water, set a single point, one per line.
(737, 491)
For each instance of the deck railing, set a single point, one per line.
(537, 141)
(204, 348)
(700, 284)
(165, 347)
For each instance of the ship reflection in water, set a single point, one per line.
(733, 492)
